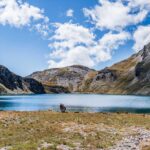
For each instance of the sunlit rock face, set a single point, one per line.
(69, 77)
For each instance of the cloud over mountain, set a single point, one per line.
(141, 37)
(75, 44)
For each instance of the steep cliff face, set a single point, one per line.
(130, 76)
(141, 82)
(11, 83)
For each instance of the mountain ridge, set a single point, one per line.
(123, 77)
(10, 83)
(130, 76)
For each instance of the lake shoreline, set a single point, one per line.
(78, 93)
(54, 130)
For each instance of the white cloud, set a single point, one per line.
(16, 13)
(69, 43)
(71, 34)
(115, 15)
(109, 42)
(42, 28)
(70, 13)
(76, 55)
(141, 37)
(139, 3)
(75, 44)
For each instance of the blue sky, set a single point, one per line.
(40, 34)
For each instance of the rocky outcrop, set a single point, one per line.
(141, 82)
(106, 75)
(14, 84)
(142, 70)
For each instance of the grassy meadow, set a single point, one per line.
(47, 130)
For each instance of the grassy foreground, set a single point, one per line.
(46, 130)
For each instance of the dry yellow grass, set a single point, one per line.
(125, 65)
(51, 130)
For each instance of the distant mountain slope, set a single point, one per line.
(130, 76)
(69, 77)
(11, 83)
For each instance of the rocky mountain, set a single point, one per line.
(68, 77)
(11, 83)
(130, 76)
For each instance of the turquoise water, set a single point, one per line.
(77, 102)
